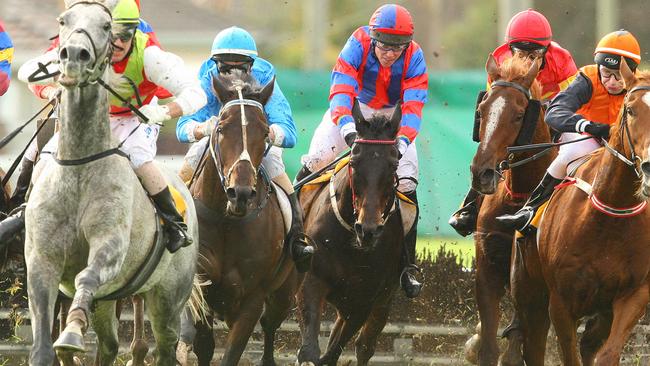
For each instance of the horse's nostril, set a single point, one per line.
(253, 193)
(63, 55)
(230, 192)
(358, 229)
(645, 167)
(84, 55)
(379, 230)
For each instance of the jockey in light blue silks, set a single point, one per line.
(234, 48)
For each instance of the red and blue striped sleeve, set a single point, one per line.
(414, 95)
(6, 56)
(344, 84)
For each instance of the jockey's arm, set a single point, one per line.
(45, 88)
(414, 95)
(561, 114)
(168, 70)
(278, 112)
(6, 56)
(344, 86)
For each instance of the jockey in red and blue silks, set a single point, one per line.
(380, 66)
(6, 56)
(235, 49)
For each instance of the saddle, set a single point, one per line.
(408, 208)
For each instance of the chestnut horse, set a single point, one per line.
(359, 235)
(593, 248)
(241, 227)
(509, 115)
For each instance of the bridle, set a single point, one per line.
(391, 204)
(99, 67)
(244, 156)
(632, 162)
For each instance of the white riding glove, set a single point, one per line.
(157, 114)
(209, 125)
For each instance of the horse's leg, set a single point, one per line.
(350, 327)
(42, 289)
(596, 331)
(626, 311)
(335, 333)
(241, 329)
(164, 309)
(490, 288)
(566, 327)
(105, 325)
(366, 342)
(139, 346)
(310, 306)
(188, 335)
(204, 342)
(277, 308)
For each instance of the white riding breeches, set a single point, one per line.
(327, 143)
(272, 162)
(570, 152)
(139, 146)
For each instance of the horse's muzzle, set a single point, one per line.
(239, 199)
(486, 181)
(75, 59)
(367, 235)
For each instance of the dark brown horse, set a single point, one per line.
(242, 231)
(507, 118)
(593, 248)
(359, 237)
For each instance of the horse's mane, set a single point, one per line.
(377, 127)
(515, 68)
(643, 78)
(250, 87)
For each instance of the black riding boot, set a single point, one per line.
(175, 228)
(521, 219)
(301, 251)
(22, 184)
(464, 220)
(409, 284)
(12, 225)
(302, 173)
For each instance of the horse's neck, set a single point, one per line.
(85, 127)
(524, 179)
(211, 192)
(344, 195)
(616, 182)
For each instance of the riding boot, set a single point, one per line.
(408, 282)
(302, 173)
(521, 219)
(301, 251)
(22, 184)
(12, 224)
(464, 220)
(175, 227)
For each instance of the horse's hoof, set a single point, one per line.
(182, 352)
(70, 341)
(308, 363)
(471, 349)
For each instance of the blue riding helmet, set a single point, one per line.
(234, 40)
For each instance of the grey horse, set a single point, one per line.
(89, 222)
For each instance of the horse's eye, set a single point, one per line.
(630, 112)
(61, 21)
(107, 26)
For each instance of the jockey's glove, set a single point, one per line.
(157, 114)
(208, 126)
(597, 129)
(401, 148)
(349, 138)
(50, 92)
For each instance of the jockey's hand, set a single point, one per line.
(208, 126)
(349, 138)
(401, 148)
(50, 92)
(157, 114)
(597, 129)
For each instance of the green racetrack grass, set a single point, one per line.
(463, 247)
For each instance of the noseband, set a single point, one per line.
(391, 204)
(98, 68)
(244, 156)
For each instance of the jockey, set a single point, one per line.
(234, 48)
(6, 56)
(529, 34)
(139, 67)
(381, 66)
(588, 106)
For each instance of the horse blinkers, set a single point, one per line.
(476, 136)
(529, 123)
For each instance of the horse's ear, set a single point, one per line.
(532, 72)
(396, 119)
(267, 91)
(627, 74)
(110, 4)
(359, 121)
(492, 68)
(220, 89)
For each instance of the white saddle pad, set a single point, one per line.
(285, 206)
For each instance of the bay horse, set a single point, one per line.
(242, 253)
(593, 238)
(90, 226)
(355, 223)
(507, 117)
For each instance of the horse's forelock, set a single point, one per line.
(250, 87)
(515, 68)
(377, 128)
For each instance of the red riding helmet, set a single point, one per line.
(391, 24)
(529, 26)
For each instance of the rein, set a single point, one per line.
(391, 205)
